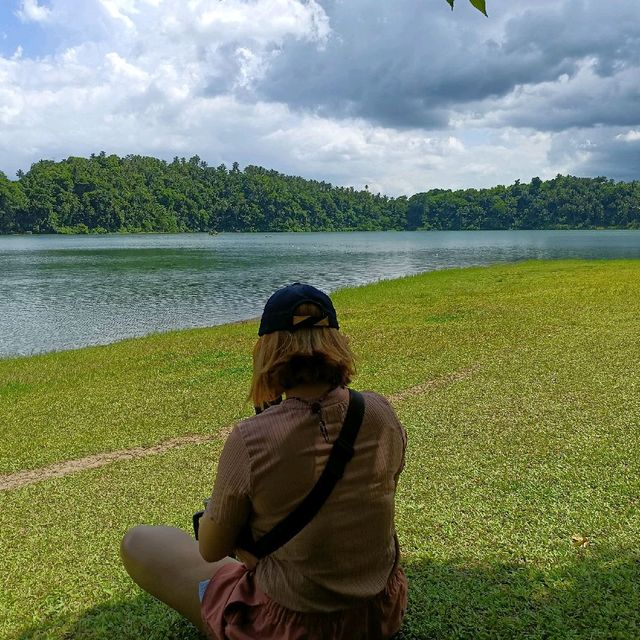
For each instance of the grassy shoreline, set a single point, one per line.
(518, 510)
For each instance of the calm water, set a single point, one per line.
(62, 292)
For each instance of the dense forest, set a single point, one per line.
(106, 193)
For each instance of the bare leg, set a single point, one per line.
(166, 563)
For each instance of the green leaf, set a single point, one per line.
(480, 5)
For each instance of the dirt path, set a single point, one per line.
(435, 383)
(60, 469)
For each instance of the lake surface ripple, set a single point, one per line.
(63, 292)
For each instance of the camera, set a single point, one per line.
(196, 520)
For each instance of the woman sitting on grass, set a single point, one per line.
(338, 577)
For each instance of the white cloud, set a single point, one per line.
(118, 10)
(126, 70)
(263, 21)
(585, 99)
(251, 67)
(599, 152)
(31, 11)
(633, 135)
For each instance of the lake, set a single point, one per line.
(63, 292)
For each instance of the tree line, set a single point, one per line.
(108, 193)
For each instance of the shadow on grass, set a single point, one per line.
(139, 618)
(597, 595)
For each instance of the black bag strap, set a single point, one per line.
(300, 517)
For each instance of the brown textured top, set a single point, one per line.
(272, 460)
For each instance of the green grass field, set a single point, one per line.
(519, 508)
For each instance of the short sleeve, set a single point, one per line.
(400, 434)
(230, 503)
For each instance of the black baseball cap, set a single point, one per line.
(278, 314)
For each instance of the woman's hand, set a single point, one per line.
(247, 559)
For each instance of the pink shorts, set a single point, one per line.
(235, 608)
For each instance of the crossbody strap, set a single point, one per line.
(298, 519)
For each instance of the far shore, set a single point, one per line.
(220, 233)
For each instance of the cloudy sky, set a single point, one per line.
(402, 95)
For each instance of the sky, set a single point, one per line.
(400, 95)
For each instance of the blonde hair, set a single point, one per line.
(283, 359)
